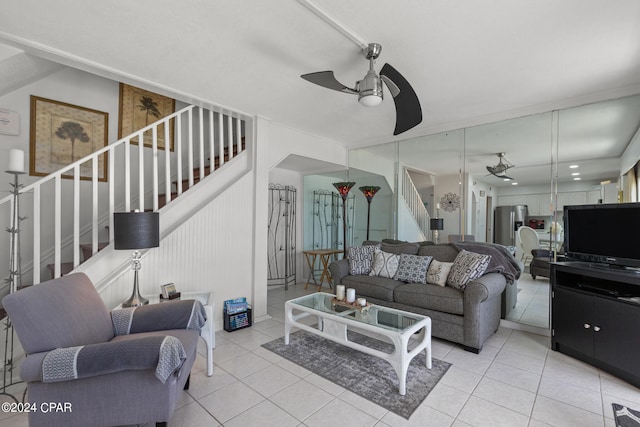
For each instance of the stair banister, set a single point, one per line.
(92, 217)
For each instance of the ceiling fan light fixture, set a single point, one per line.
(370, 100)
(370, 90)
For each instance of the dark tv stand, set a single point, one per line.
(595, 317)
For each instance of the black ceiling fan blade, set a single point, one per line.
(328, 80)
(408, 110)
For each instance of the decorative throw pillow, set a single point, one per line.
(413, 268)
(360, 258)
(466, 267)
(385, 264)
(438, 272)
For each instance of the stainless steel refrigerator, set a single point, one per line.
(506, 221)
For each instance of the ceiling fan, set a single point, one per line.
(500, 170)
(369, 89)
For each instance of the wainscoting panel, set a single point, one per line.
(211, 251)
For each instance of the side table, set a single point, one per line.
(208, 331)
(325, 256)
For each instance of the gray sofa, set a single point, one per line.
(466, 317)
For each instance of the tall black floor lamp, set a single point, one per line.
(343, 188)
(369, 191)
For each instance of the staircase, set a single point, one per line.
(71, 220)
(415, 205)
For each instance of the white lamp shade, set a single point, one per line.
(370, 100)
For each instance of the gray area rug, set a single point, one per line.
(365, 375)
(625, 417)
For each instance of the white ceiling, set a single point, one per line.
(469, 61)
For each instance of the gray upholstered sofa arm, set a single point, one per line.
(187, 314)
(485, 287)
(165, 354)
(338, 270)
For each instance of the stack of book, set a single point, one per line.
(233, 306)
(237, 314)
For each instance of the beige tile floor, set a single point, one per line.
(515, 381)
(532, 307)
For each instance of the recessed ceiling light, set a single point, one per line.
(577, 179)
(506, 179)
(575, 174)
(514, 183)
(573, 166)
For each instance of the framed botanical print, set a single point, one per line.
(140, 108)
(61, 134)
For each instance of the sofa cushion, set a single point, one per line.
(466, 267)
(360, 258)
(413, 268)
(400, 248)
(443, 252)
(438, 272)
(372, 286)
(433, 297)
(385, 264)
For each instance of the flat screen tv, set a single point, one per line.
(603, 233)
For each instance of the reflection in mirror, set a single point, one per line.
(323, 210)
(571, 156)
(508, 180)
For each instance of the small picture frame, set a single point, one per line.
(168, 290)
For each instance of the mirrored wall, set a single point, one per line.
(543, 161)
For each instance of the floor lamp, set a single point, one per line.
(343, 188)
(136, 230)
(369, 192)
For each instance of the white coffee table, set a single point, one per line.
(334, 320)
(208, 331)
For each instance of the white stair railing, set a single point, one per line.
(415, 204)
(62, 212)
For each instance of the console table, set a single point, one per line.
(595, 316)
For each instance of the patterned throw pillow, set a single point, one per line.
(413, 268)
(384, 264)
(466, 267)
(438, 272)
(360, 258)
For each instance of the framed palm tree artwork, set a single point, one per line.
(62, 134)
(138, 109)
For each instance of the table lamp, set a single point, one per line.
(136, 230)
(436, 224)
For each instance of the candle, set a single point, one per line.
(16, 161)
(362, 302)
(351, 295)
(340, 292)
(437, 205)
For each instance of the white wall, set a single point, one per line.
(284, 141)
(211, 252)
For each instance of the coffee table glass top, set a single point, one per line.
(376, 315)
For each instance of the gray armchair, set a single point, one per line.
(106, 371)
